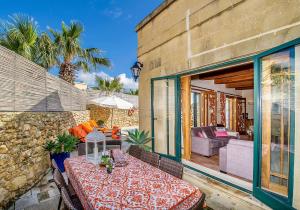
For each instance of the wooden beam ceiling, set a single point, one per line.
(238, 77)
(227, 74)
(240, 84)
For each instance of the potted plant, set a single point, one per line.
(107, 162)
(139, 138)
(60, 148)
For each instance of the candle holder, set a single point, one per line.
(92, 139)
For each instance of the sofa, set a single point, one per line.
(236, 158)
(208, 145)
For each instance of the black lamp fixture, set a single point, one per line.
(136, 70)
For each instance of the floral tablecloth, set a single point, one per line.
(135, 186)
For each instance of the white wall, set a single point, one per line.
(210, 84)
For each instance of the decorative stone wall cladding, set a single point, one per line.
(23, 160)
(120, 117)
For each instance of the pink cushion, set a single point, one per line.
(200, 134)
(221, 133)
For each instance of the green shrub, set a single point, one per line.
(140, 138)
(63, 143)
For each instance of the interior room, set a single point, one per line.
(222, 104)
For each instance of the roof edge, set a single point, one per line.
(153, 14)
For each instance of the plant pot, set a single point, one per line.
(59, 159)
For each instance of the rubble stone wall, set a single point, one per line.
(23, 161)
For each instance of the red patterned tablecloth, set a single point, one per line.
(135, 186)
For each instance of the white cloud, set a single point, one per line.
(128, 83)
(114, 13)
(89, 79)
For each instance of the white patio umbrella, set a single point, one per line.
(112, 102)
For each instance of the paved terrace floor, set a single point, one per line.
(45, 195)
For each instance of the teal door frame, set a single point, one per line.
(273, 200)
(177, 99)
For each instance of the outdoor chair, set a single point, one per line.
(150, 157)
(135, 151)
(171, 167)
(71, 204)
(200, 203)
(60, 183)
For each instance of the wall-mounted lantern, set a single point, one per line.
(136, 70)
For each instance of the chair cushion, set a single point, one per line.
(87, 127)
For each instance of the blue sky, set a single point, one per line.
(108, 24)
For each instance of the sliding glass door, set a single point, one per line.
(275, 127)
(165, 123)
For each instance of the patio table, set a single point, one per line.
(135, 186)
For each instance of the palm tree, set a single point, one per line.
(108, 85)
(45, 52)
(19, 34)
(71, 56)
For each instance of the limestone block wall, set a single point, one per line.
(120, 117)
(23, 160)
(189, 34)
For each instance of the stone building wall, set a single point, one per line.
(120, 117)
(188, 34)
(23, 160)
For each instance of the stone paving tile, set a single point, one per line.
(219, 196)
(26, 202)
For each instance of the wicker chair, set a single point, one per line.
(151, 158)
(135, 151)
(200, 203)
(171, 167)
(71, 204)
(60, 183)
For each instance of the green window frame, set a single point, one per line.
(177, 156)
(275, 201)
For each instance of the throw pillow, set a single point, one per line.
(221, 133)
(93, 124)
(232, 133)
(200, 134)
(204, 134)
(87, 127)
(79, 133)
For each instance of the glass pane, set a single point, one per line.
(171, 116)
(160, 116)
(164, 117)
(276, 84)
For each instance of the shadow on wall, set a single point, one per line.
(23, 161)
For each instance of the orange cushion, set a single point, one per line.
(79, 132)
(93, 124)
(70, 131)
(87, 127)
